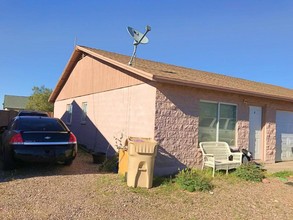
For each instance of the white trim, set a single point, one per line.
(255, 126)
(69, 111)
(84, 108)
(47, 143)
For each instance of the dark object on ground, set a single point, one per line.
(99, 157)
(36, 139)
(247, 156)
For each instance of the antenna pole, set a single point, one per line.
(75, 41)
(136, 43)
(133, 54)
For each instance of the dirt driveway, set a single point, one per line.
(81, 192)
(49, 191)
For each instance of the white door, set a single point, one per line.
(284, 136)
(255, 115)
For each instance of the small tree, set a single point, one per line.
(38, 101)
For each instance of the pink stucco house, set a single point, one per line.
(101, 97)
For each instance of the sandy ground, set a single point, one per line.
(79, 191)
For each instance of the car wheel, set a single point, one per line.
(68, 162)
(8, 162)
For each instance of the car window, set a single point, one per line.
(40, 124)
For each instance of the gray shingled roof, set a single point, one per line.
(15, 102)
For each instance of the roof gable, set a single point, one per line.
(166, 73)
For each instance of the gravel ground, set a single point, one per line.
(81, 192)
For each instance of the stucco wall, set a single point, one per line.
(176, 124)
(129, 110)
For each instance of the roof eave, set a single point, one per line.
(75, 56)
(216, 88)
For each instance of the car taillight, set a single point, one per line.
(16, 139)
(72, 139)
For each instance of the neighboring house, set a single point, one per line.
(12, 102)
(100, 96)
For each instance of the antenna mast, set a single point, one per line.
(75, 41)
(138, 38)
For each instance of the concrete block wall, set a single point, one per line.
(242, 133)
(176, 128)
(177, 118)
(270, 142)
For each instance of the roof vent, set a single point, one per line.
(167, 71)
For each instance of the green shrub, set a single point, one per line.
(109, 165)
(193, 180)
(283, 174)
(162, 181)
(249, 172)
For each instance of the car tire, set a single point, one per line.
(8, 161)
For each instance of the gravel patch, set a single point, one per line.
(79, 191)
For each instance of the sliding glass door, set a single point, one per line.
(217, 122)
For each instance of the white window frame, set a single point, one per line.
(218, 115)
(84, 106)
(69, 111)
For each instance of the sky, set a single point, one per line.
(248, 39)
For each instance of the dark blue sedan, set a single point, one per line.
(36, 139)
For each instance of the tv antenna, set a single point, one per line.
(139, 38)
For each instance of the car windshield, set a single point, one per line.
(40, 124)
(27, 113)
